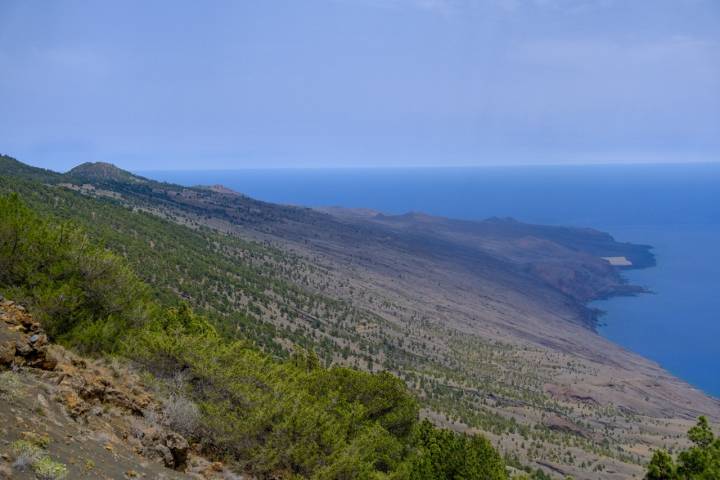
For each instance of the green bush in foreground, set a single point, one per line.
(83, 295)
(288, 419)
(699, 462)
(300, 418)
(442, 454)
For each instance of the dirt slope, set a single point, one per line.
(90, 418)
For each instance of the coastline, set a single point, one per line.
(664, 326)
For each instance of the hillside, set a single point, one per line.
(93, 419)
(158, 383)
(485, 321)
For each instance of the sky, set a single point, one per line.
(315, 83)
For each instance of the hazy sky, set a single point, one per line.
(247, 83)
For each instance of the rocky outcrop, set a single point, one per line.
(80, 385)
(560, 424)
(77, 399)
(566, 393)
(22, 341)
(169, 448)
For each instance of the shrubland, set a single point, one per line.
(291, 417)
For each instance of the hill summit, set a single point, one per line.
(103, 171)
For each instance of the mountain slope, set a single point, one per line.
(270, 417)
(485, 321)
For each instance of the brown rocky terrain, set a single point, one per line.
(96, 418)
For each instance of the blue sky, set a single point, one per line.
(256, 83)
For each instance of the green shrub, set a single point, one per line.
(26, 453)
(48, 469)
(10, 386)
(31, 453)
(82, 294)
(439, 453)
(298, 417)
(384, 397)
(699, 462)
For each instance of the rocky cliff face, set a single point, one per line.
(82, 418)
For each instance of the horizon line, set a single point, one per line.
(430, 167)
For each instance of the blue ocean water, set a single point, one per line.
(675, 208)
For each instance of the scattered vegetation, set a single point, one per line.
(48, 469)
(9, 385)
(26, 453)
(30, 454)
(289, 417)
(266, 303)
(276, 300)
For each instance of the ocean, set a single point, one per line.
(674, 208)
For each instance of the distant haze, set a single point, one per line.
(257, 83)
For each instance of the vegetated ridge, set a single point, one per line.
(485, 321)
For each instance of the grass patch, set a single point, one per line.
(10, 386)
(48, 469)
(31, 453)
